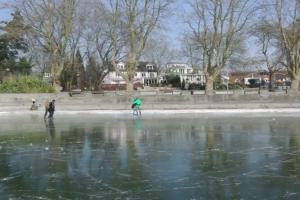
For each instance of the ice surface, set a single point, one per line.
(186, 156)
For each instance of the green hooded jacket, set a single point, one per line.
(137, 102)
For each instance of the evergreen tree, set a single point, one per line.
(80, 71)
(12, 44)
(73, 74)
(174, 80)
(183, 85)
(91, 72)
(23, 66)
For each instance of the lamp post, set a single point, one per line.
(227, 82)
(78, 80)
(225, 79)
(227, 85)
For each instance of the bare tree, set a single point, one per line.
(288, 29)
(99, 44)
(281, 21)
(217, 30)
(135, 20)
(191, 53)
(99, 59)
(5, 5)
(245, 63)
(272, 57)
(51, 23)
(159, 52)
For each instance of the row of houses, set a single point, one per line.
(262, 76)
(147, 74)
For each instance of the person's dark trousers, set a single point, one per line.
(51, 114)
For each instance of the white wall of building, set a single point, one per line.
(187, 73)
(140, 76)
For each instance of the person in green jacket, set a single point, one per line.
(136, 106)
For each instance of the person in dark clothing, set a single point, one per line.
(51, 108)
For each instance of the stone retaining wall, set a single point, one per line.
(88, 101)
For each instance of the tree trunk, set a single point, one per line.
(56, 70)
(57, 87)
(55, 84)
(209, 88)
(270, 81)
(96, 85)
(295, 85)
(67, 86)
(129, 87)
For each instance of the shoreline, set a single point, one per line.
(13, 104)
(165, 112)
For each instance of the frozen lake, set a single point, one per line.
(103, 157)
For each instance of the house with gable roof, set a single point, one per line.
(186, 73)
(145, 75)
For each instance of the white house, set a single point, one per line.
(146, 74)
(186, 73)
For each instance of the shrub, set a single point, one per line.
(220, 87)
(174, 80)
(26, 84)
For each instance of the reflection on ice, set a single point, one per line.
(147, 158)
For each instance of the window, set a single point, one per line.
(47, 75)
(149, 67)
(121, 66)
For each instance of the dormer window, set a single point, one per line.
(149, 67)
(121, 66)
(47, 75)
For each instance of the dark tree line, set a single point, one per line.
(13, 46)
